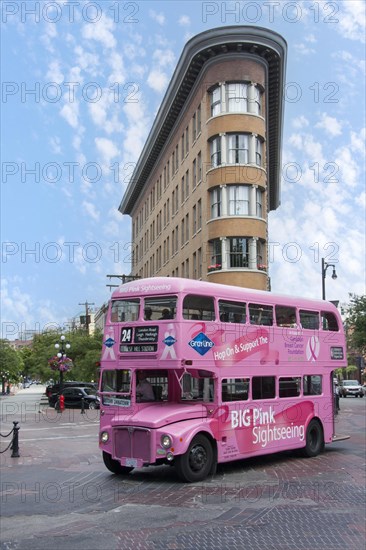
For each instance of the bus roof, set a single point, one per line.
(171, 285)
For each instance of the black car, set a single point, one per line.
(54, 389)
(75, 397)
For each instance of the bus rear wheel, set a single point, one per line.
(114, 466)
(314, 439)
(196, 463)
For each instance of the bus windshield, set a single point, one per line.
(116, 381)
(176, 386)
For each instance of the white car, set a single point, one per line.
(351, 387)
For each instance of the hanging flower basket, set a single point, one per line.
(60, 363)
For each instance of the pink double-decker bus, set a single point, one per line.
(196, 374)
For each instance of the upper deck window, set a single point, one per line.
(125, 310)
(329, 321)
(232, 312)
(160, 308)
(198, 307)
(285, 316)
(260, 314)
(309, 319)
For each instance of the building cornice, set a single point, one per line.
(203, 47)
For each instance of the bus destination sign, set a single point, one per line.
(139, 339)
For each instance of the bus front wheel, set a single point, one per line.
(196, 463)
(114, 466)
(314, 439)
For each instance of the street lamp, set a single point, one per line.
(61, 354)
(325, 266)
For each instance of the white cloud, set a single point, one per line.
(157, 80)
(118, 74)
(300, 122)
(105, 112)
(310, 38)
(184, 20)
(90, 210)
(348, 166)
(158, 17)
(358, 141)
(55, 144)
(303, 49)
(351, 20)
(134, 136)
(54, 73)
(330, 124)
(107, 149)
(17, 306)
(164, 57)
(88, 62)
(101, 31)
(70, 112)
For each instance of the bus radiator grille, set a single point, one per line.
(132, 442)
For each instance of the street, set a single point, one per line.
(59, 494)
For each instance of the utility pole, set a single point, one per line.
(87, 304)
(123, 278)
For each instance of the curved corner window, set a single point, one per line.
(238, 149)
(215, 97)
(237, 97)
(259, 203)
(216, 152)
(258, 152)
(215, 196)
(238, 200)
(238, 252)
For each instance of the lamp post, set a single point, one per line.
(62, 355)
(325, 266)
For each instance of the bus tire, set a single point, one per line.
(196, 464)
(114, 466)
(314, 439)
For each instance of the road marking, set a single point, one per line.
(57, 437)
(54, 426)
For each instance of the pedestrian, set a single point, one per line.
(336, 397)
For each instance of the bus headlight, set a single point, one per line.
(166, 441)
(104, 437)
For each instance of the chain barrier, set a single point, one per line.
(14, 443)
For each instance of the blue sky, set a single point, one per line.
(81, 84)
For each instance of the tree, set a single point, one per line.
(10, 364)
(85, 352)
(355, 321)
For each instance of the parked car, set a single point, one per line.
(74, 397)
(351, 387)
(53, 389)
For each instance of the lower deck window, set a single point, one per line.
(263, 387)
(289, 386)
(312, 384)
(235, 389)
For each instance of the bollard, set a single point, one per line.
(82, 406)
(15, 442)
